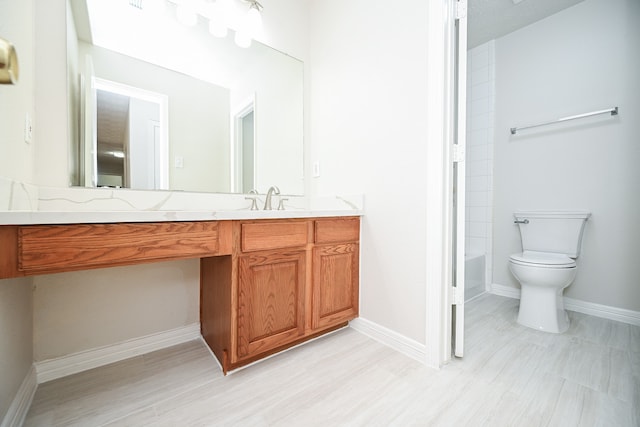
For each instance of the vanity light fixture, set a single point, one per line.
(250, 25)
(219, 14)
(222, 15)
(186, 13)
(8, 63)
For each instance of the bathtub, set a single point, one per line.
(474, 275)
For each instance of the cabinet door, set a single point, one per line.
(335, 284)
(270, 300)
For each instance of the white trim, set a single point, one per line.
(459, 172)
(52, 369)
(400, 343)
(19, 407)
(504, 291)
(437, 187)
(605, 311)
(591, 308)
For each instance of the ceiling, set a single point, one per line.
(491, 19)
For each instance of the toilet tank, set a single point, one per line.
(557, 232)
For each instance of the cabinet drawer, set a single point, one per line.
(273, 235)
(337, 230)
(80, 246)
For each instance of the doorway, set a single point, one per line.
(130, 141)
(243, 150)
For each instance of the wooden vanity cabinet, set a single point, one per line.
(265, 285)
(271, 285)
(290, 280)
(335, 271)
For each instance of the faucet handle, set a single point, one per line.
(254, 204)
(281, 203)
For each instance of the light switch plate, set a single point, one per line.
(28, 128)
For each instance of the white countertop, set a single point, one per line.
(24, 204)
(95, 217)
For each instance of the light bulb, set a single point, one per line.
(250, 26)
(254, 21)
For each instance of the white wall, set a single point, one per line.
(51, 124)
(16, 337)
(582, 59)
(368, 131)
(16, 163)
(16, 25)
(94, 308)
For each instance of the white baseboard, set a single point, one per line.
(400, 343)
(598, 310)
(593, 309)
(504, 291)
(22, 401)
(52, 369)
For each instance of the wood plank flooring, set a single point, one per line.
(510, 376)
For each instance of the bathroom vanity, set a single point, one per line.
(265, 284)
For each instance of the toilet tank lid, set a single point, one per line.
(553, 214)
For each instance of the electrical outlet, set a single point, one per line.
(316, 169)
(179, 162)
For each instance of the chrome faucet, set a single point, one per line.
(267, 201)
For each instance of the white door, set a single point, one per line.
(459, 176)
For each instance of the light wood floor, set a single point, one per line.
(510, 376)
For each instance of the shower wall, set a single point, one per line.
(480, 133)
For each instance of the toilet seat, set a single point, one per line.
(542, 259)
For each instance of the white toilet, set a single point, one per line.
(551, 242)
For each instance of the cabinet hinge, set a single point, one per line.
(458, 153)
(457, 297)
(461, 9)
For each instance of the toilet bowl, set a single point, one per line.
(551, 242)
(543, 277)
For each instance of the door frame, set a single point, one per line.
(439, 188)
(238, 113)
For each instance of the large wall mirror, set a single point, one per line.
(159, 105)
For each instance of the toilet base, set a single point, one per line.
(542, 308)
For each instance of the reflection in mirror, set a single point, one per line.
(234, 116)
(130, 145)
